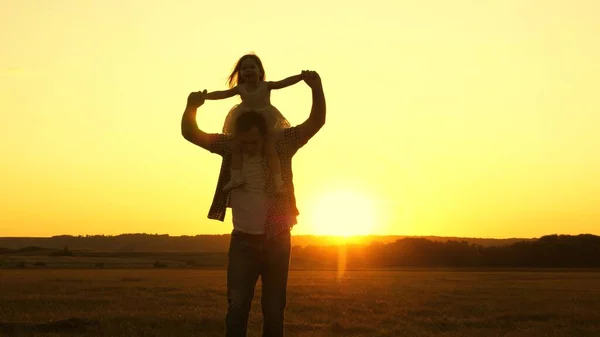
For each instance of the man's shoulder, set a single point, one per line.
(219, 143)
(219, 136)
(292, 138)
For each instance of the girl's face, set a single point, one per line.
(249, 70)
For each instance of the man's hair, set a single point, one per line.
(250, 119)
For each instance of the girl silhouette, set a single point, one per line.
(248, 81)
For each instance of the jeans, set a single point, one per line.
(251, 256)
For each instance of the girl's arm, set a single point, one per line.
(222, 94)
(285, 82)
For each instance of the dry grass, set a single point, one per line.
(47, 302)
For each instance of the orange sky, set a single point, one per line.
(458, 118)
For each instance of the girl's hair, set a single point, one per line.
(234, 78)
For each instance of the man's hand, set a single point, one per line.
(312, 79)
(189, 127)
(196, 99)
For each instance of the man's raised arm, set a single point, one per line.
(316, 120)
(189, 126)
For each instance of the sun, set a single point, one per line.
(343, 213)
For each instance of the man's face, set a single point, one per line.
(251, 141)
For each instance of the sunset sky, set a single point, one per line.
(451, 118)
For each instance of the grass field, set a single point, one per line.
(152, 302)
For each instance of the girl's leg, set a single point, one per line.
(274, 164)
(236, 168)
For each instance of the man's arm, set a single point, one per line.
(316, 119)
(189, 126)
(285, 82)
(215, 95)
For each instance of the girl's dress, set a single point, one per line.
(258, 100)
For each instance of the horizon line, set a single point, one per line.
(297, 235)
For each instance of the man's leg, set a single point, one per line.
(242, 274)
(274, 276)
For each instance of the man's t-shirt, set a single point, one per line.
(249, 202)
(281, 211)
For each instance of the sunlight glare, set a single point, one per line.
(343, 213)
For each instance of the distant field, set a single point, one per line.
(179, 302)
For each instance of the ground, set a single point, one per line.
(192, 302)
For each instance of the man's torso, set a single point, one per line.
(281, 211)
(249, 202)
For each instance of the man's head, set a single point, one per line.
(250, 131)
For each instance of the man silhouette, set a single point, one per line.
(260, 241)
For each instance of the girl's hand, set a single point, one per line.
(311, 78)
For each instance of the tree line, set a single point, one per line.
(553, 251)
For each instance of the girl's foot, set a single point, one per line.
(233, 183)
